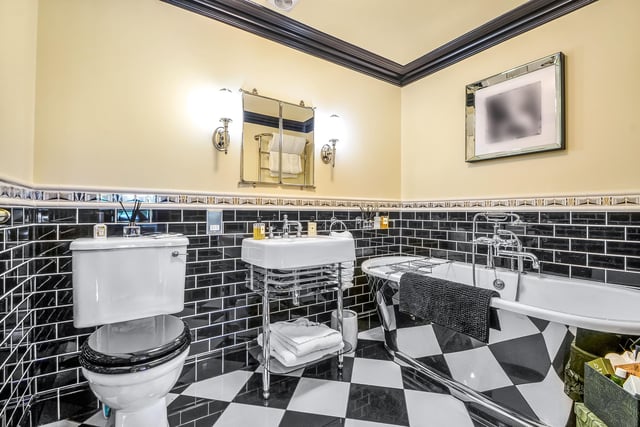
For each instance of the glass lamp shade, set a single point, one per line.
(224, 103)
(336, 128)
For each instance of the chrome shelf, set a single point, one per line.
(295, 284)
(417, 265)
(276, 367)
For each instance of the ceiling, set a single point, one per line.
(400, 30)
(398, 41)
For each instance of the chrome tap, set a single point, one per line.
(520, 255)
(286, 226)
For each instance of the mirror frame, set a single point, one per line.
(281, 120)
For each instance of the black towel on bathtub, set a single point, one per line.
(463, 308)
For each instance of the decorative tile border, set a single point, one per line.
(20, 194)
(565, 202)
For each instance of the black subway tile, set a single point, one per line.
(588, 273)
(605, 261)
(633, 233)
(633, 264)
(571, 258)
(57, 215)
(597, 218)
(408, 215)
(571, 231)
(555, 269)
(592, 246)
(554, 243)
(92, 216)
(236, 227)
(623, 218)
(446, 225)
(186, 229)
(608, 233)
(529, 217)
(546, 256)
(439, 216)
(538, 229)
(423, 215)
(555, 217)
(623, 278)
(166, 215)
(457, 216)
(623, 248)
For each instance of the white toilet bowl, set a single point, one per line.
(132, 366)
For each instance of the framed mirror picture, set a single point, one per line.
(519, 111)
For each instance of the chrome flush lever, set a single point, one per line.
(176, 254)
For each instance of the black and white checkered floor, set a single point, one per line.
(371, 391)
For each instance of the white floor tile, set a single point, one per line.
(553, 336)
(433, 409)
(320, 397)
(512, 325)
(375, 334)
(224, 387)
(96, 420)
(237, 415)
(381, 373)
(418, 341)
(359, 423)
(477, 368)
(547, 399)
(63, 423)
(171, 397)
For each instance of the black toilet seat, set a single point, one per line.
(135, 346)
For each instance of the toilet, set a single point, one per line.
(129, 287)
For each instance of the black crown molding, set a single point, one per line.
(272, 25)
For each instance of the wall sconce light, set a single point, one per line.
(221, 137)
(328, 152)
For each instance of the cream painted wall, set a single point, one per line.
(18, 25)
(603, 125)
(114, 79)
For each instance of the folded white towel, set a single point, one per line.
(303, 337)
(290, 144)
(289, 359)
(291, 164)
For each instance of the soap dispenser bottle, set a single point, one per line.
(312, 227)
(258, 230)
(100, 229)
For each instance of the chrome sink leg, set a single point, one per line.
(266, 342)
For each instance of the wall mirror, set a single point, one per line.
(277, 142)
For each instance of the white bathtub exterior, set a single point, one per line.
(571, 302)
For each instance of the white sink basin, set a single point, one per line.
(298, 252)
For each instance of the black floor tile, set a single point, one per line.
(451, 341)
(328, 370)
(436, 362)
(377, 404)
(370, 349)
(188, 409)
(511, 398)
(524, 360)
(541, 324)
(281, 389)
(414, 380)
(298, 419)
